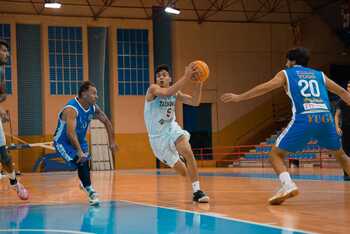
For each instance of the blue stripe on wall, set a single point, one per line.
(98, 60)
(162, 38)
(29, 79)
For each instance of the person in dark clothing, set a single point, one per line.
(342, 123)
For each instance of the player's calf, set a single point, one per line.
(343, 159)
(180, 168)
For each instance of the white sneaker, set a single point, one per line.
(285, 192)
(92, 196)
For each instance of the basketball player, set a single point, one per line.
(312, 119)
(69, 138)
(168, 140)
(5, 158)
(342, 124)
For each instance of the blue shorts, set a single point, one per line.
(306, 127)
(69, 153)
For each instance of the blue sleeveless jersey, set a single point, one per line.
(84, 117)
(307, 90)
(312, 119)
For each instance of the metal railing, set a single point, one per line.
(236, 154)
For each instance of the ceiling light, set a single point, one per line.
(172, 10)
(53, 4)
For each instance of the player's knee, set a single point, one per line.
(276, 152)
(339, 154)
(187, 154)
(84, 165)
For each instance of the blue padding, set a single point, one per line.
(51, 163)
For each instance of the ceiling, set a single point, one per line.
(244, 11)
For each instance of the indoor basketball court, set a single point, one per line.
(157, 116)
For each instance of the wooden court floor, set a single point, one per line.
(323, 205)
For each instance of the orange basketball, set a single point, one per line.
(203, 70)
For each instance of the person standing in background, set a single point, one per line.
(342, 123)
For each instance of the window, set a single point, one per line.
(66, 60)
(5, 34)
(133, 65)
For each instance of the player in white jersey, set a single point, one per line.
(168, 140)
(5, 158)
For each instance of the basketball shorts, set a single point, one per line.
(303, 128)
(164, 146)
(69, 153)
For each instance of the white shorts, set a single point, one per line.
(2, 135)
(164, 146)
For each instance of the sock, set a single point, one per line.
(195, 186)
(12, 175)
(89, 189)
(285, 178)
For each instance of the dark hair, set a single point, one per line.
(4, 43)
(163, 67)
(85, 86)
(300, 55)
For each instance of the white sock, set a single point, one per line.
(88, 189)
(12, 175)
(285, 178)
(195, 186)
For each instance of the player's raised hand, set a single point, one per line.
(191, 70)
(230, 97)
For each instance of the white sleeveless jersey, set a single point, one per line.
(159, 115)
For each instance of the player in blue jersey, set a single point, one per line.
(5, 158)
(168, 140)
(69, 137)
(312, 118)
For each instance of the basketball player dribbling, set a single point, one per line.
(169, 142)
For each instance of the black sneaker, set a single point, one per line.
(200, 197)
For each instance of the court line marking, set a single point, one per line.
(271, 176)
(44, 230)
(221, 216)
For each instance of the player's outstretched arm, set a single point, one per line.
(277, 82)
(100, 115)
(155, 90)
(338, 90)
(337, 120)
(195, 98)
